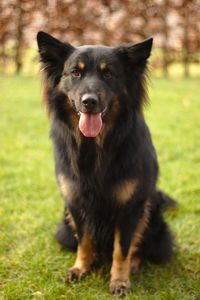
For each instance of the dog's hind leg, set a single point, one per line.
(157, 243)
(66, 233)
(135, 263)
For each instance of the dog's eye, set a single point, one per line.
(107, 74)
(76, 73)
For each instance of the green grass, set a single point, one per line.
(32, 266)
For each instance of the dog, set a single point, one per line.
(105, 162)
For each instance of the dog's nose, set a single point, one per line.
(90, 101)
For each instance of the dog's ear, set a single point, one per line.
(141, 51)
(53, 53)
(136, 53)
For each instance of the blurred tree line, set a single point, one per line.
(174, 24)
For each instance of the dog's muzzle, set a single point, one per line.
(90, 122)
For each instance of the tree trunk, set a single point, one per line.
(19, 40)
(186, 45)
(18, 56)
(165, 55)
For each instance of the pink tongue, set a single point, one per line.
(90, 124)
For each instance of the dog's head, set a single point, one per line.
(94, 79)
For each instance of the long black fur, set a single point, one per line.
(126, 152)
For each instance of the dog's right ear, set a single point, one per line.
(53, 53)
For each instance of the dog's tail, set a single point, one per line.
(164, 201)
(158, 241)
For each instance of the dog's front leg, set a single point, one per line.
(128, 234)
(120, 270)
(84, 259)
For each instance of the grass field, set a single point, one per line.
(32, 266)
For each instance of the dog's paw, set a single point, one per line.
(135, 264)
(120, 288)
(75, 274)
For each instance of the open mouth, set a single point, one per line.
(90, 124)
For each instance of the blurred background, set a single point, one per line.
(31, 265)
(174, 24)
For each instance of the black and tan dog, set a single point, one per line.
(105, 162)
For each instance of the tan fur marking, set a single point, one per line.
(120, 266)
(73, 116)
(125, 190)
(70, 221)
(103, 66)
(81, 65)
(74, 119)
(85, 253)
(66, 186)
(142, 225)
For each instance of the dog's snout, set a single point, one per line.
(90, 101)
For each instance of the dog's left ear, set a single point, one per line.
(53, 53)
(137, 53)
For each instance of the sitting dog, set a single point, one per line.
(105, 162)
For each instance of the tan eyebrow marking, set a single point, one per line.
(81, 65)
(103, 66)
